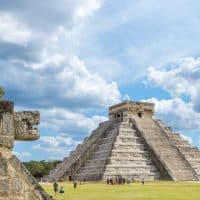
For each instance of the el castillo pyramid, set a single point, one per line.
(132, 144)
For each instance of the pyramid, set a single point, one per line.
(132, 144)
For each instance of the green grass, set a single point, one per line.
(136, 191)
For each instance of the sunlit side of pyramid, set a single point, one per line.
(134, 145)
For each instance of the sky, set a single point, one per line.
(72, 59)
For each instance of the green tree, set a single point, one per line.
(2, 92)
(41, 168)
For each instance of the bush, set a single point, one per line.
(41, 168)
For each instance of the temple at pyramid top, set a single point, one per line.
(129, 108)
(131, 144)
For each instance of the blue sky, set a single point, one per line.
(71, 59)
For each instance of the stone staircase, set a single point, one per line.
(129, 158)
(191, 154)
(170, 157)
(95, 166)
(79, 156)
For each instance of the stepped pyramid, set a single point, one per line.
(132, 144)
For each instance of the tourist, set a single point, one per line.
(107, 181)
(61, 190)
(142, 181)
(123, 180)
(55, 187)
(128, 181)
(111, 181)
(75, 184)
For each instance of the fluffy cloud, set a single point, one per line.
(60, 131)
(64, 121)
(22, 154)
(177, 113)
(189, 139)
(85, 9)
(62, 82)
(42, 68)
(50, 64)
(57, 145)
(12, 31)
(179, 78)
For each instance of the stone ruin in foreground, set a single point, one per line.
(132, 144)
(16, 182)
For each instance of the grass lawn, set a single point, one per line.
(136, 191)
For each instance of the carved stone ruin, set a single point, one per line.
(132, 144)
(16, 182)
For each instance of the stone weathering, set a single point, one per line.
(132, 144)
(16, 182)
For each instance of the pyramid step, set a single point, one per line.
(130, 166)
(127, 147)
(165, 151)
(138, 151)
(138, 163)
(128, 140)
(131, 159)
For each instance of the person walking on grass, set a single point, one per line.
(75, 183)
(142, 181)
(55, 187)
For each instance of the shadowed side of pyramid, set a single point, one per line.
(134, 145)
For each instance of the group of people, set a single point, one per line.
(121, 180)
(55, 187)
(61, 190)
(118, 180)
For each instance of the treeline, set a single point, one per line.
(41, 168)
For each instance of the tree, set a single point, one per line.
(2, 92)
(41, 168)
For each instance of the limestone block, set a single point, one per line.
(16, 198)
(4, 187)
(6, 141)
(30, 196)
(3, 167)
(25, 125)
(16, 186)
(7, 124)
(20, 168)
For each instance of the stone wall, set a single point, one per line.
(190, 153)
(16, 182)
(170, 157)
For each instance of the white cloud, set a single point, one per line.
(87, 85)
(56, 145)
(60, 82)
(177, 113)
(189, 139)
(63, 120)
(13, 31)
(87, 8)
(181, 77)
(65, 129)
(22, 154)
